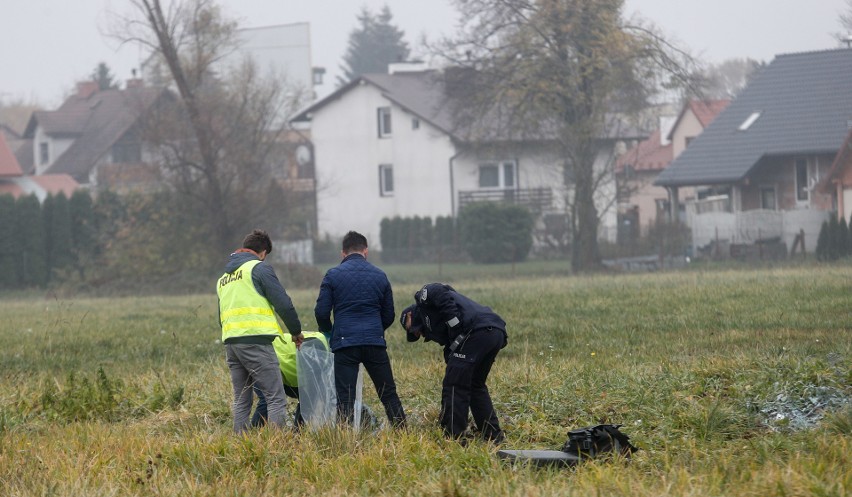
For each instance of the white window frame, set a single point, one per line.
(383, 120)
(385, 189)
(506, 169)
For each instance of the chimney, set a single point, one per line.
(86, 89)
(134, 82)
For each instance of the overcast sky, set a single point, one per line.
(48, 45)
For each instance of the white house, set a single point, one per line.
(385, 145)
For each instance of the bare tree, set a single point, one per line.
(218, 143)
(728, 78)
(845, 20)
(568, 71)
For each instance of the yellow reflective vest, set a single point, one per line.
(243, 311)
(285, 349)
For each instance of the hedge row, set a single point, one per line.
(43, 240)
(486, 232)
(834, 241)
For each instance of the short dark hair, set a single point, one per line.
(258, 240)
(354, 242)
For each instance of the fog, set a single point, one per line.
(48, 45)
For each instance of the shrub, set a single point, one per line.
(822, 243)
(30, 231)
(9, 251)
(493, 232)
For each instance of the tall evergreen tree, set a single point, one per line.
(9, 252)
(822, 243)
(103, 77)
(83, 235)
(30, 229)
(833, 238)
(58, 234)
(843, 239)
(374, 44)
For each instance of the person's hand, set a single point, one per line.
(298, 340)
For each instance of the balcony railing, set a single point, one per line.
(534, 199)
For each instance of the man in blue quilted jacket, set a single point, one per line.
(360, 296)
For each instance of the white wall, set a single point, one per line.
(749, 226)
(348, 153)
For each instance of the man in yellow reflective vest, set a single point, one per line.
(285, 348)
(249, 297)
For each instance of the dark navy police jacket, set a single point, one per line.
(442, 314)
(361, 298)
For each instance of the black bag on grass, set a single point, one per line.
(583, 443)
(592, 441)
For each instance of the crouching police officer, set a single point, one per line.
(472, 335)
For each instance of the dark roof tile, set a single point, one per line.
(805, 104)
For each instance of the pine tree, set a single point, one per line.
(822, 242)
(833, 238)
(843, 240)
(30, 229)
(103, 77)
(9, 251)
(83, 236)
(58, 234)
(374, 44)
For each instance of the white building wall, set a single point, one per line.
(847, 204)
(348, 154)
(55, 148)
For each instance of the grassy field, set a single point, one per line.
(733, 382)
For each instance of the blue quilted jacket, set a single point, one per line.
(360, 296)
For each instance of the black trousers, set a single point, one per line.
(464, 388)
(377, 363)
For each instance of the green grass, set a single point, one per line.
(731, 382)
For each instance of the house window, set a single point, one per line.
(415, 123)
(43, 153)
(384, 121)
(801, 180)
(497, 174)
(386, 180)
(767, 198)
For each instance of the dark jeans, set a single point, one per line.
(376, 362)
(259, 417)
(464, 386)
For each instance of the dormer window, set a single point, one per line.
(384, 121)
(749, 121)
(43, 153)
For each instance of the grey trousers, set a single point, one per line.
(255, 364)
